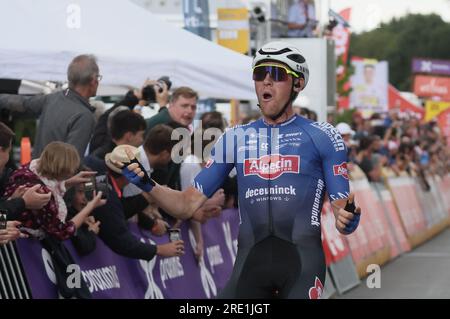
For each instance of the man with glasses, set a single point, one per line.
(285, 163)
(64, 116)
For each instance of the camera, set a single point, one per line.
(3, 219)
(174, 234)
(149, 93)
(96, 184)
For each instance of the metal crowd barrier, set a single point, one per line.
(13, 284)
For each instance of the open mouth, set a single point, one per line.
(267, 96)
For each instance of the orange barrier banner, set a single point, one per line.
(404, 192)
(399, 241)
(334, 243)
(372, 233)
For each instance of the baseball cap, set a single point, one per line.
(119, 155)
(344, 129)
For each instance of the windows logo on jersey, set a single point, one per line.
(272, 166)
(341, 169)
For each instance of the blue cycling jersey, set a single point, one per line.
(283, 172)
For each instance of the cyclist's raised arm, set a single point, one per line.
(180, 204)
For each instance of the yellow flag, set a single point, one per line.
(434, 108)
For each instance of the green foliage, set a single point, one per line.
(400, 40)
(344, 116)
(341, 80)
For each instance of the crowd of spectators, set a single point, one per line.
(52, 199)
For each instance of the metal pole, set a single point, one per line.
(23, 283)
(12, 271)
(6, 275)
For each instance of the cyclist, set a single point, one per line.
(285, 163)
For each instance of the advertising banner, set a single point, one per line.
(233, 29)
(370, 86)
(335, 245)
(431, 66)
(404, 192)
(370, 236)
(432, 86)
(402, 244)
(196, 17)
(109, 275)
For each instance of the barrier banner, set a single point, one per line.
(372, 220)
(404, 193)
(337, 255)
(109, 275)
(440, 196)
(444, 189)
(432, 204)
(334, 244)
(361, 242)
(397, 236)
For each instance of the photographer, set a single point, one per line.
(154, 95)
(133, 98)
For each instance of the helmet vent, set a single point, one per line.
(296, 58)
(262, 52)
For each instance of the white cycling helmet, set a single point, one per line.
(285, 53)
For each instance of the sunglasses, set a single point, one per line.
(277, 72)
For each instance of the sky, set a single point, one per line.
(367, 14)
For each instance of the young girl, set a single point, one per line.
(54, 171)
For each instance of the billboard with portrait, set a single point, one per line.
(369, 86)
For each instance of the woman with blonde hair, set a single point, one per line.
(55, 171)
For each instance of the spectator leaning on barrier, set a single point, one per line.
(126, 127)
(114, 229)
(23, 198)
(64, 116)
(54, 172)
(84, 239)
(180, 113)
(51, 173)
(153, 154)
(214, 124)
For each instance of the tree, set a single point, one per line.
(400, 40)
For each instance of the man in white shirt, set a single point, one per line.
(154, 153)
(302, 19)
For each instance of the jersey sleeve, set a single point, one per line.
(217, 168)
(333, 153)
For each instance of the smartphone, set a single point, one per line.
(3, 219)
(89, 189)
(174, 234)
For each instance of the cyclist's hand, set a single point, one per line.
(347, 218)
(135, 173)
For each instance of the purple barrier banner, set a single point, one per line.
(431, 66)
(109, 275)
